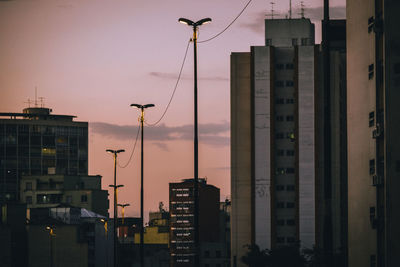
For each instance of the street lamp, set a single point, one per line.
(51, 234)
(141, 107)
(105, 222)
(115, 186)
(123, 211)
(195, 25)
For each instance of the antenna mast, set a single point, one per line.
(302, 9)
(35, 96)
(290, 9)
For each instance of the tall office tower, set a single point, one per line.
(373, 116)
(273, 139)
(37, 142)
(181, 208)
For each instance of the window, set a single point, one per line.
(280, 101)
(206, 254)
(280, 171)
(289, 83)
(280, 66)
(280, 188)
(305, 41)
(268, 42)
(371, 119)
(279, 84)
(289, 66)
(28, 186)
(370, 24)
(289, 118)
(280, 222)
(28, 199)
(371, 71)
(84, 198)
(289, 101)
(289, 170)
(280, 205)
(279, 136)
(68, 199)
(290, 153)
(372, 166)
(294, 41)
(290, 222)
(280, 239)
(290, 205)
(280, 152)
(290, 188)
(279, 118)
(291, 239)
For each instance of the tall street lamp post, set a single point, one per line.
(115, 186)
(123, 211)
(141, 107)
(51, 235)
(195, 26)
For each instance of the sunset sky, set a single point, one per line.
(93, 58)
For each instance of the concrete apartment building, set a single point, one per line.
(46, 191)
(181, 207)
(373, 96)
(273, 154)
(37, 142)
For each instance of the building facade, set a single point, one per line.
(181, 207)
(37, 142)
(46, 191)
(373, 95)
(273, 153)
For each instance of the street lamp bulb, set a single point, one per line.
(186, 21)
(203, 21)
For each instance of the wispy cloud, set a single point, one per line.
(209, 133)
(314, 13)
(162, 146)
(166, 75)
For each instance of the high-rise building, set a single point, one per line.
(373, 116)
(181, 208)
(273, 151)
(37, 142)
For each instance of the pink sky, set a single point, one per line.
(94, 58)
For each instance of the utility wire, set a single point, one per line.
(133, 150)
(240, 13)
(176, 86)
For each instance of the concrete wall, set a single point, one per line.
(240, 156)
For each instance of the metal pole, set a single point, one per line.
(115, 210)
(196, 157)
(51, 249)
(141, 197)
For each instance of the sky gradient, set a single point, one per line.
(94, 58)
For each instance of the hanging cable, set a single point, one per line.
(215, 36)
(133, 150)
(176, 86)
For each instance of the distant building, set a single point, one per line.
(157, 231)
(373, 116)
(44, 191)
(273, 146)
(181, 207)
(37, 142)
(66, 236)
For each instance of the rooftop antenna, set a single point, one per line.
(28, 102)
(41, 98)
(302, 9)
(290, 9)
(272, 10)
(35, 96)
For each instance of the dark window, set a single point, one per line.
(280, 66)
(290, 153)
(28, 199)
(280, 205)
(371, 119)
(279, 84)
(280, 171)
(373, 260)
(290, 188)
(289, 83)
(280, 152)
(280, 222)
(206, 254)
(290, 205)
(280, 188)
(268, 42)
(279, 118)
(291, 239)
(28, 186)
(289, 170)
(279, 136)
(218, 254)
(68, 199)
(289, 118)
(84, 198)
(294, 41)
(371, 71)
(290, 222)
(289, 101)
(289, 66)
(280, 101)
(280, 239)
(371, 166)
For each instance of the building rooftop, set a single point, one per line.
(36, 113)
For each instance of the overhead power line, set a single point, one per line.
(230, 24)
(176, 86)
(133, 150)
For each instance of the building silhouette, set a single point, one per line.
(273, 146)
(373, 115)
(37, 142)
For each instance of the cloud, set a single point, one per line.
(313, 13)
(166, 75)
(209, 133)
(162, 146)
